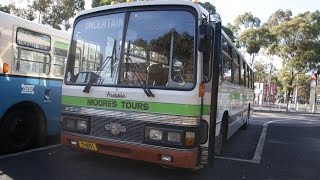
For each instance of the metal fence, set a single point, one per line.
(303, 108)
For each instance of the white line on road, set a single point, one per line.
(29, 151)
(237, 159)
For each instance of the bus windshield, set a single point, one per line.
(151, 48)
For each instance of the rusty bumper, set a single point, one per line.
(185, 158)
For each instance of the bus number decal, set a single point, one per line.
(27, 89)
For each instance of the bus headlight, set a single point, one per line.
(174, 137)
(154, 134)
(82, 125)
(69, 123)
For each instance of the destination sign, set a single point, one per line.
(106, 23)
(33, 39)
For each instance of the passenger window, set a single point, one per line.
(28, 61)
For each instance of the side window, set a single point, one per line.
(245, 82)
(227, 68)
(241, 66)
(77, 61)
(28, 61)
(60, 57)
(236, 69)
(227, 72)
(207, 66)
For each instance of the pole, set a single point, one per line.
(296, 93)
(269, 86)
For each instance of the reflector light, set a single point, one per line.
(5, 68)
(166, 158)
(202, 90)
(189, 139)
(73, 142)
(195, 1)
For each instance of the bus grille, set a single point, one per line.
(100, 127)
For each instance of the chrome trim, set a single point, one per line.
(137, 116)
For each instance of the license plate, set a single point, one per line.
(87, 145)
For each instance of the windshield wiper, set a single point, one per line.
(145, 88)
(104, 63)
(92, 80)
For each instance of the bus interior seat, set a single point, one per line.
(157, 75)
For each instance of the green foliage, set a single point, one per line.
(5, 9)
(27, 13)
(97, 3)
(61, 11)
(55, 13)
(209, 7)
(261, 72)
(245, 21)
(298, 43)
(255, 39)
(278, 17)
(229, 33)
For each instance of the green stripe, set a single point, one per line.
(61, 45)
(141, 106)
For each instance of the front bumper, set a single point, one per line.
(185, 158)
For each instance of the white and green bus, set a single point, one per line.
(157, 81)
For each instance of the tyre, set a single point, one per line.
(18, 130)
(222, 138)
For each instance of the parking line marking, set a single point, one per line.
(258, 152)
(29, 151)
(237, 159)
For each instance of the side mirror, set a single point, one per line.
(205, 36)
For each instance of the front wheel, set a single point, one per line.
(18, 131)
(220, 141)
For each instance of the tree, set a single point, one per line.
(260, 72)
(278, 17)
(97, 3)
(246, 21)
(255, 39)
(298, 45)
(229, 33)
(60, 11)
(209, 7)
(25, 13)
(5, 9)
(42, 6)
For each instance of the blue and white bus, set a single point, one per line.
(32, 58)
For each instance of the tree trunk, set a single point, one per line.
(289, 90)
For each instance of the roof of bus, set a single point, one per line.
(234, 47)
(146, 3)
(11, 20)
